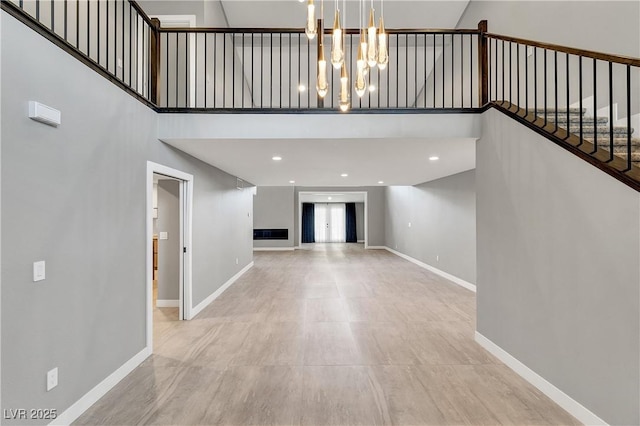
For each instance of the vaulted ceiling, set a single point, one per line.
(291, 13)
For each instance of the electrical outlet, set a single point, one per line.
(409, 224)
(236, 260)
(396, 246)
(52, 379)
(437, 258)
(119, 63)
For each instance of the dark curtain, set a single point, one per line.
(308, 223)
(350, 222)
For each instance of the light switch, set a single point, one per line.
(52, 379)
(409, 224)
(38, 271)
(164, 235)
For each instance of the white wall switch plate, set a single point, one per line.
(52, 379)
(164, 235)
(409, 224)
(38, 271)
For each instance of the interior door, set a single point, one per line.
(329, 223)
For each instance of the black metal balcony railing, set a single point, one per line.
(587, 102)
(213, 68)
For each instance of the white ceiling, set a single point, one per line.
(320, 162)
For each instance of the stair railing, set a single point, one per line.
(588, 100)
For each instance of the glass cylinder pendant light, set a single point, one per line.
(372, 51)
(363, 40)
(363, 46)
(322, 85)
(360, 83)
(383, 53)
(343, 99)
(337, 51)
(310, 28)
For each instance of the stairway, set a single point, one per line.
(594, 126)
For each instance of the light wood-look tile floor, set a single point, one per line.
(331, 334)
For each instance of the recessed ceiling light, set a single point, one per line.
(380, 182)
(302, 88)
(372, 88)
(434, 158)
(276, 158)
(292, 181)
(329, 198)
(344, 175)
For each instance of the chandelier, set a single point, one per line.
(372, 50)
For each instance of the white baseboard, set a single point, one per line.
(72, 413)
(443, 274)
(213, 296)
(273, 248)
(375, 247)
(361, 241)
(572, 406)
(166, 303)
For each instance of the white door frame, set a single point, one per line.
(366, 212)
(186, 231)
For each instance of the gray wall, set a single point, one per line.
(375, 208)
(606, 26)
(75, 197)
(558, 279)
(273, 208)
(360, 221)
(169, 250)
(442, 214)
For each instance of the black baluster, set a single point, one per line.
(580, 95)
(206, 64)
(555, 77)
(233, 70)
(224, 70)
(535, 82)
(595, 126)
(629, 153)
(434, 70)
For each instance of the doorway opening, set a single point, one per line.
(332, 217)
(169, 207)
